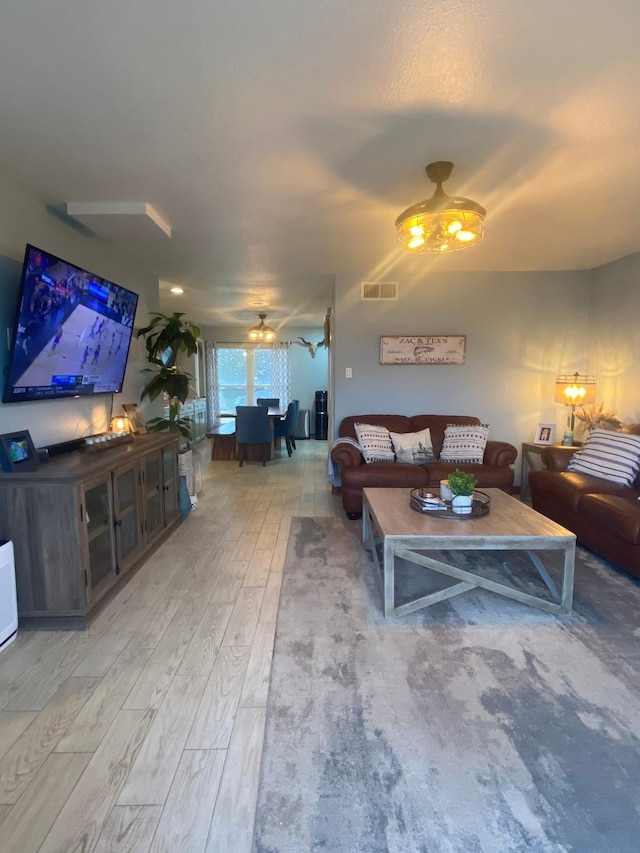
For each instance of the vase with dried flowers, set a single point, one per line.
(594, 417)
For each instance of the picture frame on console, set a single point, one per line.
(136, 419)
(17, 452)
(545, 434)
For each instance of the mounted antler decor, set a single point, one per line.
(313, 348)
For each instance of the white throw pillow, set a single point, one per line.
(375, 443)
(464, 443)
(413, 447)
(613, 456)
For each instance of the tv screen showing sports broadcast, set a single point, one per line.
(72, 332)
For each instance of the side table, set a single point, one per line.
(531, 460)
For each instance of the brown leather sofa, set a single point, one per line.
(605, 516)
(355, 474)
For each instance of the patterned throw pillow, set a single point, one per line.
(613, 456)
(464, 443)
(413, 447)
(375, 443)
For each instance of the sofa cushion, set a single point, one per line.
(608, 455)
(464, 443)
(617, 515)
(397, 423)
(415, 448)
(383, 476)
(437, 424)
(488, 476)
(375, 443)
(566, 488)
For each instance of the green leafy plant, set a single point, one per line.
(165, 337)
(461, 482)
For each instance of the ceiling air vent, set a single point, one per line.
(379, 290)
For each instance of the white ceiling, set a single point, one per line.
(281, 139)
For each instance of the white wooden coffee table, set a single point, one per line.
(509, 526)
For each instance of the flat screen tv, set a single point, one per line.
(72, 332)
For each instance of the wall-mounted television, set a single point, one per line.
(72, 332)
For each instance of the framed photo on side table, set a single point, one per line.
(545, 434)
(137, 421)
(17, 452)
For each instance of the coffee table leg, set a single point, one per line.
(389, 578)
(366, 526)
(565, 597)
(567, 577)
(544, 574)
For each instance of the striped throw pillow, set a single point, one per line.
(464, 443)
(375, 443)
(613, 456)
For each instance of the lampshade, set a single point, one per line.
(261, 332)
(119, 423)
(442, 223)
(575, 389)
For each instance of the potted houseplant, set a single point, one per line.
(595, 418)
(461, 485)
(165, 337)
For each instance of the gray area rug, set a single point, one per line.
(478, 724)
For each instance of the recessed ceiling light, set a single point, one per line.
(177, 290)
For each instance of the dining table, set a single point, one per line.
(223, 437)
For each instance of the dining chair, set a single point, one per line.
(284, 428)
(253, 427)
(268, 401)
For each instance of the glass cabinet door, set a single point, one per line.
(153, 493)
(99, 521)
(170, 475)
(127, 514)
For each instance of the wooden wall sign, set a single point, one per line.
(422, 349)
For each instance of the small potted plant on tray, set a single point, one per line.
(462, 484)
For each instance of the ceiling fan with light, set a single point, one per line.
(442, 223)
(262, 332)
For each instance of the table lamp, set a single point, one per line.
(120, 424)
(574, 389)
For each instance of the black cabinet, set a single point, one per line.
(322, 416)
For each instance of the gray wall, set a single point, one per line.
(308, 375)
(24, 219)
(615, 336)
(522, 329)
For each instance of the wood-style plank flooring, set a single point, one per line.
(144, 732)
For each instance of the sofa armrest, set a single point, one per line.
(557, 458)
(346, 455)
(499, 453)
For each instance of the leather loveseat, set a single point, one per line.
(355, 474)
(605, 516)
